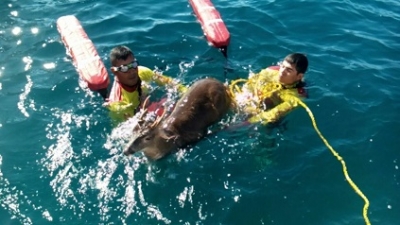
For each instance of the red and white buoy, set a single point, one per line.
(85, 58)
(212, 24)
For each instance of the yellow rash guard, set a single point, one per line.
(123, 103)
(264, 99)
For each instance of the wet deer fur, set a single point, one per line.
(204, 104)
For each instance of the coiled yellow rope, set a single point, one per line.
(266, 91)
(233, 87)
(259, 88)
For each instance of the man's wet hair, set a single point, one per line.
(298, 59)
(120, 53)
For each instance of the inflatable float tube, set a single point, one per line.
(85, 58)
(211, 22)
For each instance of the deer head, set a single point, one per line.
(150, 137)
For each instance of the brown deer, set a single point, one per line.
(203, 104)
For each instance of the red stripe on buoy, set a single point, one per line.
(211, 22)
(84, 54)
(274, 67)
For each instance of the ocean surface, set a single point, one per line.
(61, 156)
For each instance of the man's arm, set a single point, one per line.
(289, 103)
(148, 75)
(162, 80)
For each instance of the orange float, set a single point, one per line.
(85, 58)
(211, 22)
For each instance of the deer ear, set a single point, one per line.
(136, 128)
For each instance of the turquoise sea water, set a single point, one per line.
(60, 156)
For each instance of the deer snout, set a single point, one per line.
(127, 152)
(129, 149)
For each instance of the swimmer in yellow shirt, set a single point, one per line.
(273, 92)
(128, 92)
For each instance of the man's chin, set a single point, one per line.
(132, 83)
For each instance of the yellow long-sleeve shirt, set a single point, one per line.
(264, 99)
(123, 103)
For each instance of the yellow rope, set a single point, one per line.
(346, 174)
(260, 89)
(234, 85)
(267, 89)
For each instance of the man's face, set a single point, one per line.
(129, 78)
(288, 74)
